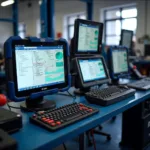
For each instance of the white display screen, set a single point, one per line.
(88, 38)
(92, 69)
(120, 62)
(39, 66)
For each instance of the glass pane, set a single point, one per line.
(83, 17)
(22, 34)
(6, 30)
(113, 27)
(113, 40)
(71, 32)
(129, 12)
(6, 12)
(111, 14)
(21, 27)
(72, 19)
(129, 24)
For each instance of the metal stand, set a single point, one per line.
(37, 104)
(82, 142)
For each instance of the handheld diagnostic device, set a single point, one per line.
(87, 37)
(36, 68)
(91, 71)
(118, 62)
(126, 38)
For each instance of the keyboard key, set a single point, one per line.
(73, 117)
(53, 124)
(58, 123)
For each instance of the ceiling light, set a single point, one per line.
(6, 3)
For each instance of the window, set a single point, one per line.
(22, 30)
(70, 23)
(38, 28)
(117, 19)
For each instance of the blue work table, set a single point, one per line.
(34, 137)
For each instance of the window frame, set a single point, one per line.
(22, 30)
(72, 25)
(121, 8)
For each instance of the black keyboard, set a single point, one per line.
(63, 116)
(143, 84)
(109, 95)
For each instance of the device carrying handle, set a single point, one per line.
(8, 45)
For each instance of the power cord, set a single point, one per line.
(93, 139)
(65, 148)
(69, 94)
(74, 96)
(9, 106)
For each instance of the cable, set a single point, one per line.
(93, 139)
(74, 96)
(9, 106)
(65, 148)
(69, 94)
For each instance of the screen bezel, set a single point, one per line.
(44, 88)
(92, 82)
(122, 36)
(120, 49)
(76, 36)
(146, 50)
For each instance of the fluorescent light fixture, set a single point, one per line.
(6, 3)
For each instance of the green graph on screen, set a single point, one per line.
(59, 55)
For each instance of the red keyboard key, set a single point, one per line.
(81, 104)
(53, 124)
(90, 110)
(58, 123)
(43, 119)
(50, 121)
(80, 108)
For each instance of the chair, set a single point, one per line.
(90, 133)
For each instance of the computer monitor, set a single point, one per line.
(90, 71)
(87, 37)
(126, 38)
(36, 69)
(118, 62)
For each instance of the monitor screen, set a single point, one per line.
(120, 61)
(126, 38)
(39, 66)
(92, 69)
(88, 38)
